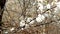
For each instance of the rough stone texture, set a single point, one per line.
(17, 10)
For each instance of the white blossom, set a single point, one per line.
(55, 0)
(37, 10)
(56, 10)
(40, 6)
(29, 19)
(6, 32)
(48, 6)
(11, 29)
(26, 25)
(22, 28)
(34, 3)
(46, 15)
(22, 23)
(40, 18)
(32, 22)
(58, 4)
(52, 3)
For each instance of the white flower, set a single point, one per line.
(56, 10)
(22, 28)
(6, 32)
(40, 18)
(58, 4)
(46, 15)
(11, 29)
(32, 22)
(22, 23)
(29, 19)
(37, 10)
(55, 0)
(39, 15)
(26, 25)
(40, 6)
(34, 3)
(48, 6)
(52, 3)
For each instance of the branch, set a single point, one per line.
(43, 13)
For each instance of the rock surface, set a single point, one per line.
(28, 10)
